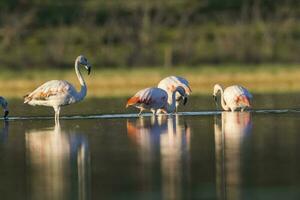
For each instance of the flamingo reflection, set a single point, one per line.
(54, 159)
(230, 131)
(4, 132)
(162, 138)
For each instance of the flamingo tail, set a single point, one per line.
(132, 101)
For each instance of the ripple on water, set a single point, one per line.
(135, 115)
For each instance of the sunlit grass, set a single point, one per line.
(125, 82)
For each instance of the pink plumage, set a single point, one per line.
(149, 99)
(169, 83)
(234, 97)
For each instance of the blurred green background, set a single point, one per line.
(134, 33)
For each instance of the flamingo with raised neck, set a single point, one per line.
(57, 93)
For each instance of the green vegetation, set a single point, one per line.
(126, 82)
(132, 33)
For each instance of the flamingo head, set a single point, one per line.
(4, 105)
(181, 90)
(83, 61)
(217, 89)
(214, 97)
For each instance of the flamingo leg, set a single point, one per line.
(153, 111)
(141, 110)
(159, 111)
(163, 111)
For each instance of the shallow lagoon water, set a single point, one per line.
(101, 151)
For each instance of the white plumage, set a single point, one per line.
(169, 83)
(234, 97)
(57, 93)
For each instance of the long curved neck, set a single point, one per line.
(172, 105)
(223, 103)
(83, 88)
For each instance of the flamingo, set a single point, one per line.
(57, 93)
(171, 82)
(154, 99)
(4, 105)
(233, 98)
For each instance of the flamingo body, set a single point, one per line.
(169, 83)
(234, 97)
(57, 93)
(154, 99)
(53, 93)
(149, 99)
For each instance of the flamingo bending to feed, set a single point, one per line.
(171, 82)
(57, 93)
(4, 105)
(233, 98)
(155, 99)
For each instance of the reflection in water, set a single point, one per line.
(230, 132)
(164, 138)
(56, 160)
(4, 132)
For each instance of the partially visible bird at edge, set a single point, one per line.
(4, 106)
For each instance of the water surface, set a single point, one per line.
(197, 154)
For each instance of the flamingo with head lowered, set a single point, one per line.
(171, 82)
(155, 99)
(57, 93)
(233, 98)
(4, 105)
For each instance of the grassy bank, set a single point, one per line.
(125, 82)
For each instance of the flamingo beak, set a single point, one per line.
(215, 98)
(88, 67)
(185, 99)
(6, 112)
(89, 70)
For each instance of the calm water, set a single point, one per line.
(198, 155)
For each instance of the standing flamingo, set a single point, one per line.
(57, 93)
(171, 82)
(233, 98)
(154, 99)
(4, 105)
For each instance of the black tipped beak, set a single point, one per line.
(88, 68)
(185, 100)
(215, 97)
(6, 113)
